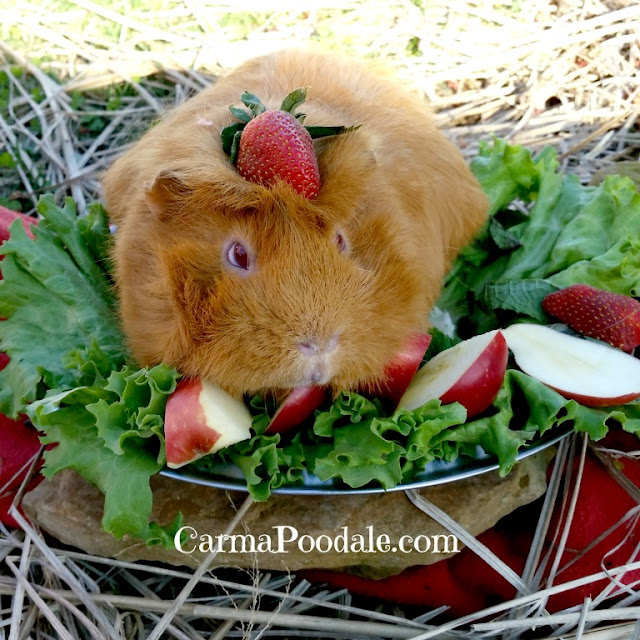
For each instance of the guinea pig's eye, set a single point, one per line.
(238, 256)
(341, 243)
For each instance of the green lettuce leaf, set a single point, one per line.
(355, 442)
(103, 432)
(56, 299)
(68, 369)
(561, 233)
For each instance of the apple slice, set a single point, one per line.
(470, 373)
(296, 408)
(201, 418)
(400, 371)
(592, 373)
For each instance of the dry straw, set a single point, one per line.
(534, 72)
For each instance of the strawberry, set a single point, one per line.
(275, 145)
(610, 317)
(271, 145)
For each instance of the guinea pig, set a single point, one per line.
(331, 288)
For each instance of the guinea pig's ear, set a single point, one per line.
(162, 194)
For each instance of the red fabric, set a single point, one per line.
(19, 442)
(19, 445)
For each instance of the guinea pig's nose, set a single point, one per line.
(314, 347)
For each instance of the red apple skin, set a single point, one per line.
(296, 408)
(477, 388)
(400, 371)
(187, 435)
(588, 401)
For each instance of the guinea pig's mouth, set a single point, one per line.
(317, 372)
(316, 361)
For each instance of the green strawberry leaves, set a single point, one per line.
(293, 101)
(232, 133)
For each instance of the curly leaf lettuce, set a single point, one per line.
(68, 366)
(354, 442)
(111, 434)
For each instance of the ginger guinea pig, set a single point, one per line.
(333, 287)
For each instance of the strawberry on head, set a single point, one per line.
(274, 146)
(271, 145)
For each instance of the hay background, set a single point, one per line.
(79, 80)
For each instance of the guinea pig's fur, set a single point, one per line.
(396, 190)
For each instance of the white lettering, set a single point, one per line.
(416, 543)
(177, 539)
(243, 540)
(450, 537)
(312, 543)
(341, 538)
(371, 547)
(329, 543)
(206, 544)
(383, 543)
(282, 540)
(264, 543)
(357, 543)
(401, 542)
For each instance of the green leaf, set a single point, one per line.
(503, 237)
(317, 131)
(57, 299)
(235, 148)
(123, 479)
(111, 434)
(294, 100)
(228, 135)
(348, 408)
(7, 161)
(439, 342)
(264, 464)
(505, 173)
(360, 455)
(521, 296)
(428, 422)
(242, 114)
(571, 234)
(253, 102)
(526, 407)
(616, 270)
(79, 236)
(165, 535)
